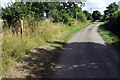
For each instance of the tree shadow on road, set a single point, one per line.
(44, 63)
(88, 60)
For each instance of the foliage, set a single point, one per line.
(37, 33)
(81, 16)
(20, 10)
(114, 23)
(35, 10)
(112, 16)
(15, 47)
(14, 13)
(88, 15)
(73, 9)
(96, 15)
(111, 9)
(111, 29)
(110, 37)
(62, 16)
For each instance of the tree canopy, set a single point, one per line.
(96, 15)
(36, 10)
(113, 7)
(112, 15)
(88, 15)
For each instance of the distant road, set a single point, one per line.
(87, 56)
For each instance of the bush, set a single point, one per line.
(62, 16)
(114, 22)
(96, 15)
(88, 15)
(81, 16)
(19, 10)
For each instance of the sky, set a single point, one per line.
(99, 5)
(90, 5)
(4, 2)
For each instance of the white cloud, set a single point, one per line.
(98, 5)
(3, 5)
(5, 2)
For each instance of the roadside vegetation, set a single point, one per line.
(109, 37)
(59, 24)
(110, 30)
(47, 28)
(15, 48)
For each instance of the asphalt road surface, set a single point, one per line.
(88, 56)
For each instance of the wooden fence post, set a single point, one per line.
(21, 27)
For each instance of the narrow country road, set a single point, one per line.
(87, 56)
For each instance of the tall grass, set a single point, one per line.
(35, 34)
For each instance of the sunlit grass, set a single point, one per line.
(37, 34)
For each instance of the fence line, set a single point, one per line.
(21, 25)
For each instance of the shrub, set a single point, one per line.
(114, 22)
(62, 16)
(88, 15)
(19, 10)
(96, 15)
(81, 16)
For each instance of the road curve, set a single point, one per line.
(87, 56)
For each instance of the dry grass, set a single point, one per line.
(36, 34)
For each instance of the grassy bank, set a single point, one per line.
(15, 47)
(109, 37)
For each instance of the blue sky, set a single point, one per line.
(90, 5)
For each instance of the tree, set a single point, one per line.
(14, 13)
(35, 11)
(114, 24)
(82, 17)
(20, 10)
(113, 7)
(112, 15)
(96, 15)
(63, 16)
(88, 15)
(74, 9)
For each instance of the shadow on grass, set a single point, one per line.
(56, 42)
(40, 61)
(77, 57)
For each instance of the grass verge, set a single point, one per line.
(52, 36)
(109, 37)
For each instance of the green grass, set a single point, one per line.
(66, 34)
(15, 47)
(109, 37)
